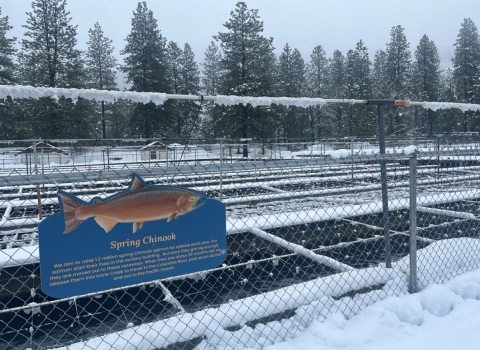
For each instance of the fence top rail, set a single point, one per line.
(21, 91)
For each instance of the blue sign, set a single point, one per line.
(139, 235)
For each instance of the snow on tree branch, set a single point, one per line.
(19, 91)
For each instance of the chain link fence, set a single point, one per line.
(307, 231)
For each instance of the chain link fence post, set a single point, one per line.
(412, 287)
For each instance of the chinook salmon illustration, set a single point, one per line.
(138, 204)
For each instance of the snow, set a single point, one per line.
(20, 91)
(440, 317)
(334, 264)
(267, 101)
(409, 150)
(340, 153)
(381, 317)
(464, 107)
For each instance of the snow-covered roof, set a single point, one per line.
(42, 147)
(154, 145)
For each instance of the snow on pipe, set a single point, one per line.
(21, 91)
(455, 214)
(321, 259)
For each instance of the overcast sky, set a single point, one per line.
(334, 24)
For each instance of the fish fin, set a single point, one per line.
(137, 226)
(106, 224)
(136, 183)
(69, 205)
(171, 217)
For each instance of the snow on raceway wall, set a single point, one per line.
(306, 237)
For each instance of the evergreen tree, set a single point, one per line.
(190, 78)
(248, 65)
(119, 126)
(49, 58)
(465, 61)
(317, 86)
(397, 70)
(291, 83)
(174, 54)
(211, 70)
(146, 68)
(210, 85)
(10, 118)
(360, 119)
(185, 80)
(449, 120)
(100, 65)
(7, 53)
(379, 75)
(426, 82)
(337, 90)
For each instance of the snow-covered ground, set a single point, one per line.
(325, 317)
(441, 317)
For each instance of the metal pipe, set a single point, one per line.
(383, 175)
(412, 287)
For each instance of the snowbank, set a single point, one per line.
(409, 150)
(340, 153)
(319, 301)
(441, 317)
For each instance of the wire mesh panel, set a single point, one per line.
(306, 237)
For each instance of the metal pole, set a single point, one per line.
(221, 174)
(220, 194)
(383, 174)
(39, 197)
(351, 148)
(412, 287)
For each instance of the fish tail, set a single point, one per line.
(70, 204)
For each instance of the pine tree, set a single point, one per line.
(360, 120)
(7, 53)
(10, 118)
(146, 68)
(397, 70)
(291, 83)
(174, 54)
(211, 70)
(210, 86)
(49, 58)
(190, 78)
(247, 64)
(449, 120)
(426, 82)
(317, 86)
(185, 80)
(100, 65)
(337, 90)
(379, 75)
(465, 61)
(119, 126)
